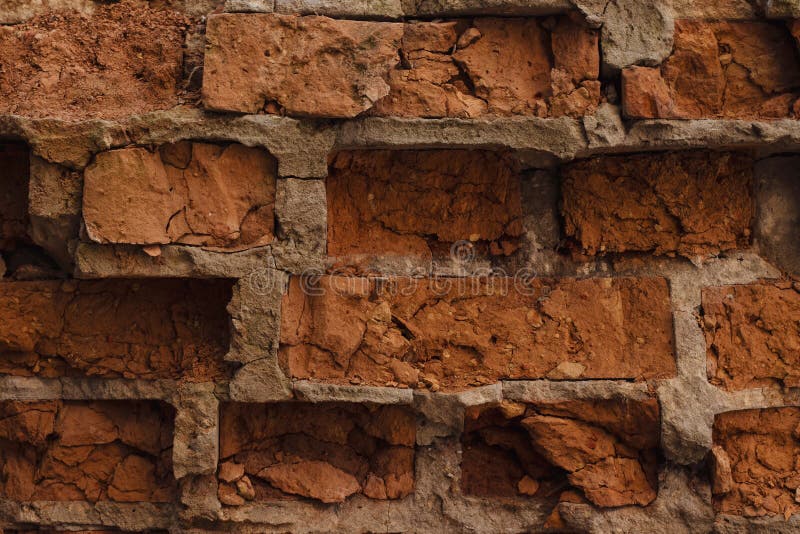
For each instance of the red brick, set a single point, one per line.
(122, 60)
(697, 203)
(751, 332)
(608, 450)
(115, 328)
(325, 451)
(317, 66)
(762, 447)
(86, 451)
(456, 333)
(13, 194)
(190, 193)
(719, 69)
(418, 203)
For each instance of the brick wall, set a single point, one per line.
(399, 266)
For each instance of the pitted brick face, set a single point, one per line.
(752, 336)
(457, 333)
(690, 204)
(86, 451)
(419, 203)
(217, 196)
(13, 194)
(144, 329)
(326, 452)
(719, 69)
(605, 450)
(754, 462)
(316, 66)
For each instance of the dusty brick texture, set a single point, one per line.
(323, 452)
(719, 69)
(752, 334)
(419, 203)
(691, 204)
(316, 66)
(190, 193)
(86, 451)
(455, 333)
(115, 328)
(754, 462)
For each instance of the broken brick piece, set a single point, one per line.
(144, 329)
(412, 203)
(457, 333)
(719, 69)
(605, 449)
(220, 196)
(690, 203)
(762, 447)
(322, 451)
(86, 451)
(752, 339)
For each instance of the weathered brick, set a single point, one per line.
(119, 61)
(418, 203)
(316, 66)
(606, 449)
(325, 451)
(455, 333)
(86, 451)
(696, 203)
(761, 448)
(752, 336)
(719, 69)
(190, 193)
(13, 194)
(115, 328)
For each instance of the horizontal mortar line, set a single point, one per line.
(69, 388)
(145, 515)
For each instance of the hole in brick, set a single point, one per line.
(392, 206)
(144, 329)
(601, 452)
(324, 452)
(753, 464)
(453, 333)
(693, 204)
(218, 196)
(86, 451)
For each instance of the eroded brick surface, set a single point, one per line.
(324, 452)
(86, 451)
(454, 333)
(719, 69)
(121, 60)
(752, 335)
(605, 450)
(115, 328)
(417, 203)
(13, 193)
(336, 68)
(761, 449)
(691, 204)
(190, 193)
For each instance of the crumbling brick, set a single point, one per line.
(719, 69)
(119, 61)
(189, 193)
(692, 204)
(418, 203)
(761, 447)
(464, 68)
(606, 450)
(454, 333)
(86, 451)
(115, 328)
(324, 452)
(13, 194)
(752, 336)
